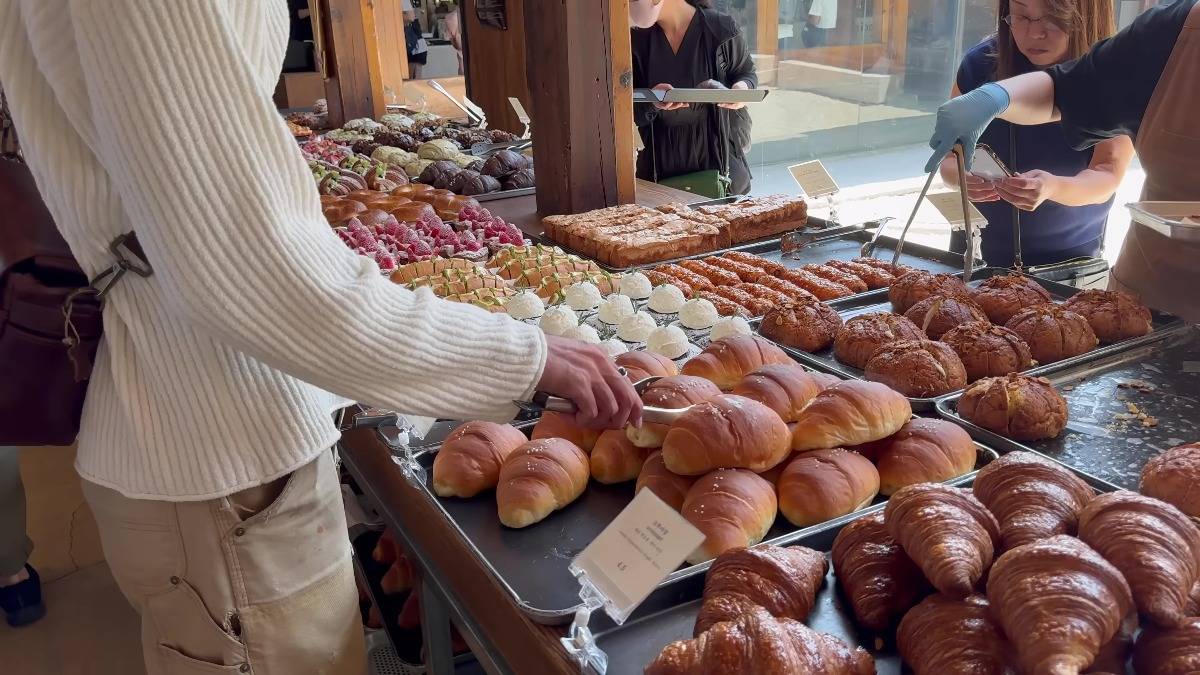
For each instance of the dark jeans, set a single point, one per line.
(815, 37)
(1003, 256)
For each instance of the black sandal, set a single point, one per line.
(22, 602)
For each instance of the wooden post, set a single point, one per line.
(392, 48)
(622, 87)
(353, 84)
(767, 40)
(495, 64)
(571, 53)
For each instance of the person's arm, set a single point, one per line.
(742, 74)
(1094, 185)
(1031, 99)
(978, 189)
(234, 228)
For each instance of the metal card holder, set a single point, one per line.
(396, 432)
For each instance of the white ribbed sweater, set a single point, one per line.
(215, 374)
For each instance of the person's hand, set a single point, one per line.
(585, 375)
(667, 106)
(740, 84)
(981, 189)
(962, 119)
(1028, 190)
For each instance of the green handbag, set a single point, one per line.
(712, 183)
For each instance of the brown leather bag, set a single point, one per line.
(50, 318)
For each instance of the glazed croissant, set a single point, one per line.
(783, 581)
(880, 580)
(1115, 653)
(1154, 545)
(1174, 651)
(1058, 602)
(947, 533)
(944, 636)
(1032, 497)
(756, 643)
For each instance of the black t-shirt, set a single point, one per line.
(1105, 92)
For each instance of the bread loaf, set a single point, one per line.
(734, 508)
(924, 451)
(1016, 406)
(784, 388)
(539, 478)
(1002, 297)
(915, 286)
(470, 458)
(1113, 315)
(937, 314)
(988, 351)
(917, 368)
(557, 425)
(858, 340)
(1173, 476)
(1053, 333)
(669, 487)
(725, 362)
(809, 326)
(726, 432)
(615, 459)
(823, 484)
(850, 413)
(673, 393)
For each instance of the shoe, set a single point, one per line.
(22, 602)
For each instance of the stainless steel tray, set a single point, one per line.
(503, 194)
(670, 612)
(1161, 379)
(531, 563)
(877, 301)
(1167, 218)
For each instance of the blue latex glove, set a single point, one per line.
(963, 119)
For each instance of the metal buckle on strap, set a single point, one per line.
(128, 260)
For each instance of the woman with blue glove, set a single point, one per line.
(1066, 192)
(1142, 83)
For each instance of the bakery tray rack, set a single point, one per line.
(670, 612)
(1164, 325)
(531, 563)
(1106, 434)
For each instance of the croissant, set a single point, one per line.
(823, 484)
(923, 451)
(1058, 602)
(784, 388)
(850, 413)
(880, 580)
(783, 581)
(615, 459)
(539, 478)
(1115, 653)
(1172, 476)
(470, 458)
(726, 361)
(556, 425)
(1174, 651)
(757, 643)
(656, 477)
(733, 508)
(944, 636)
(1154, 545)
(947, 532)
(1032, 497)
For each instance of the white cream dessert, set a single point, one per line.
(615, 309)
(558, 320)
(636, 285)
(729, 327)
(666, 299)
(668, 341)
(636, 328)
(698, 314)
(526, 305)
(583, 333)
(583, 296)
(614, 348)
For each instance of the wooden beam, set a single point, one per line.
(494, 63)
(621, 73)
(392, 48)
(569, 54)
(354, 85)
(767, 36)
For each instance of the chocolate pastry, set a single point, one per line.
(808, 326)
(504, 163)
(466, 182)
(476, 165)
(917, 368)
(365, 147)
(439, 174)
(1113, 315)
(1016, 406)
(519, 180)
(500, 136)
(1053, 332)
(917, 285)
(1001, 297)
(863, 335)
(425, 134)
(988, 350)
(937, 314)
(397, 139)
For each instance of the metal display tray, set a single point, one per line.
(531, 563)
(503, 194)
(1162, 380)
(670, 612)
(877, 301)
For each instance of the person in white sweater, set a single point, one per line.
(205, 435)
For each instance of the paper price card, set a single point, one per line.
(522, 116)
(949, 204)
(639, 548)
(813, 178)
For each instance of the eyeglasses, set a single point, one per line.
(1024, 23)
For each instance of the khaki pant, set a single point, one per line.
(258, 582)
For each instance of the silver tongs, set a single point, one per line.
(546, 403)
(969, 255)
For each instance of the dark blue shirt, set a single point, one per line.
(1053, 231)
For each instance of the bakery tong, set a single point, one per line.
(546, 403)
(969, 255)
